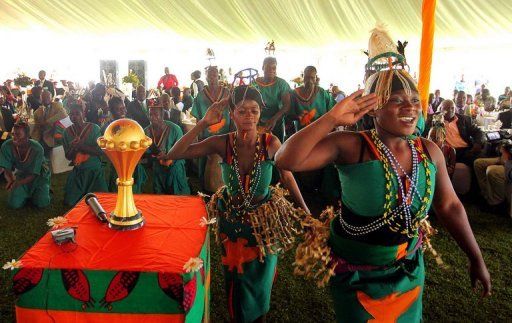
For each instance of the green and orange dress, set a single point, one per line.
(272, 94)
(87, 174)
(202, 102)
(307, 108)
(373, 255)
(252, 235)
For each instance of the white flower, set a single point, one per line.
(13, 264)
(193, 264)
(201, 194)
(57, 222)
(204, 221)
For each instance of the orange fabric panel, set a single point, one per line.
(402, 251)
(170, 237)
(29, 315)
(428, 12)
(389, 308)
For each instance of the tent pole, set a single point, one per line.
(428, 13)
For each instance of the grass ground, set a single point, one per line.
(447, 297)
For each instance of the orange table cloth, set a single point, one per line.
(120, 275)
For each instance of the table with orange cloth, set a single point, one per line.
(115, 276)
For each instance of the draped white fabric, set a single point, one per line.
(288, 22)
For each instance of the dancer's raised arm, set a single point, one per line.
(315, 146)
(186, 149)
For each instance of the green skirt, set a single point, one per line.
(251, 243)
(248, 281)
(382, 288)
(83, 180)
(171, 179)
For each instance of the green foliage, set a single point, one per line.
(131, 78)
(22, 80)
(447, 298)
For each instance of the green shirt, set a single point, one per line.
(272, 94)
(308, 111)
(201, 104)
(35, 163)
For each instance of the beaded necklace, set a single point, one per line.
(210, 95)
(401, 218)
(254, 178)
(163, 134)
(24, 159)
(303, 99)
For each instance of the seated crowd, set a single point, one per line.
(31, 126)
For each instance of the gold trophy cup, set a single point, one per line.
(124, 143)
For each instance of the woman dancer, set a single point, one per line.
(389, 178)
(255, 220)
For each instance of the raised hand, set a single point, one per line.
(214, 113)
(352, 108)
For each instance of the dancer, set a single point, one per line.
(276, 97)
(309, 102)
(210, 94)
(255, 220)
(81, 148)
(372, 246)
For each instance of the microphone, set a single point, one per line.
(97, 209)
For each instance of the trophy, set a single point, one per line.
(124, 143)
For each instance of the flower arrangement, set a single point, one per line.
(22, 80)
(13, 264)
(131, 78)
(57, 222)
(193, 264)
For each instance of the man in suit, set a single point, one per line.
(44, 83)
(506, 117)
(462, 134)
(45, 118)
(460, 104)
(437, 101)
(138, 108)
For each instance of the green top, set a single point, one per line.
(91, 132)
(229, 176)
(359, 182)
(172, 133)
(271, 95)
(35, 163)
(233, 187)
(201, 104)
(308, 111)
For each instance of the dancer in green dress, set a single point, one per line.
(32, 179)
(169, 176)
(211, 93)
(118, 111)
(255, 221)
(81, 148)
(309, 102)
(276, 97)
(370, 251)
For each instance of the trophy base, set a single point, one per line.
(126, 223)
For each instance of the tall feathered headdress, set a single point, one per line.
(386, 62)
